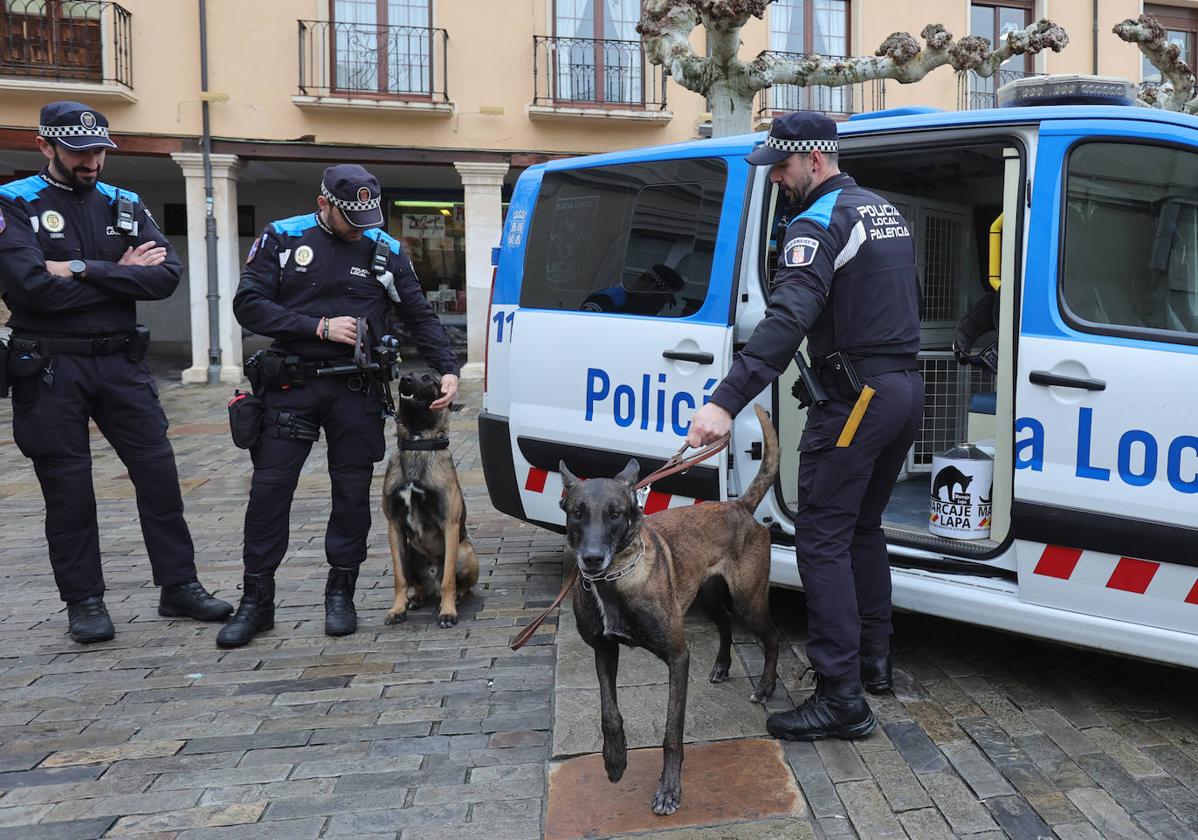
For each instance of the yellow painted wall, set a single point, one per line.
(253, 48)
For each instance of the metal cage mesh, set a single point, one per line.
(946, 408)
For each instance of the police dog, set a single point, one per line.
(639, 574)
(431, 555)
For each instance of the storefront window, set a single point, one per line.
(434, 235)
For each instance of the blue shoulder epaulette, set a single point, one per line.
(26, 189)
(296, 225)
(110, 192)
(821, 210)
(379, 235)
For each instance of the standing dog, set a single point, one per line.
(431, 556)
(639, 575)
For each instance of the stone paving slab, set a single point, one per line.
(725, 782)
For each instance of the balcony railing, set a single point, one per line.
(366, 60)
(67, 40)
(834, 101)
(975, 92)
(595, 73)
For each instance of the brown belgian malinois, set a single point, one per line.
(431, 555)
(639, 574)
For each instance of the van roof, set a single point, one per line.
(903, 119)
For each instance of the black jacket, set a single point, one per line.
(846, 281)
(40, 220)
(298, 271)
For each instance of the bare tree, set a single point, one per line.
(731, 83)
(1177, 90)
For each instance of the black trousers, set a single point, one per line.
(839, 542)
(50, 426)
(352, 422)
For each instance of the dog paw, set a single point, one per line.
(415, 603)
(615, 765)
(761, 694)
(396, 617)
(447, 620)
(719, 672)
(667, 800)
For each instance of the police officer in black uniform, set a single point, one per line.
(307, 282)
(846, 282)
(76, 255)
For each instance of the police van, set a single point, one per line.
(625, 282)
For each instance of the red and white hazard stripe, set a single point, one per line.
(1168, 581)
(537, 479)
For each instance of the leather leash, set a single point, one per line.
(675, 464)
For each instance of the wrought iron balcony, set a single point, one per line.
(834, 101)
(975, 92)
(595, 73)
(67, 40)
(358, 60)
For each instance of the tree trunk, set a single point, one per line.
(731, 110)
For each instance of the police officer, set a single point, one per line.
(76, 255)
(846, 282)
(307, 281)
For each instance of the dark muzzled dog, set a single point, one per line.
(639, 574)
(431, 555)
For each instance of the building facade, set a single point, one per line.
(447, 101)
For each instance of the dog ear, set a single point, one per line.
(569, 480)
(630, 473)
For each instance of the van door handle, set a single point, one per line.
(1044, 377)
(681, 356)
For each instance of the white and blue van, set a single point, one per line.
(625, 282)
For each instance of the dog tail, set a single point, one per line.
(769, 463)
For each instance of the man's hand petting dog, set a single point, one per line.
(449, 390)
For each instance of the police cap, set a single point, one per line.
(355, 192)
(800, 131)
(75, 125)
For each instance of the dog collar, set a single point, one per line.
(424, 444)
(617, 574)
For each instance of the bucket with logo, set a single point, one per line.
(962, 483)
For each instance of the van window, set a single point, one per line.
(1130, 255)
(635, 238)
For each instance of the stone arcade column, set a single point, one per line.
(224, 194)
(484, 227)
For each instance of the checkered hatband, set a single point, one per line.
(352, 206)
(826, 146)
(51, 131)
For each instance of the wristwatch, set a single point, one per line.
(77, 268)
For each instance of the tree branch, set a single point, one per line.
(900, 57)
(1178, 94)
(665, 28)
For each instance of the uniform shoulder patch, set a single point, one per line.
(799, 252)
(254, 249)
(3, 222)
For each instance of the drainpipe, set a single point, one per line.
(214, 359)
(1095, 37)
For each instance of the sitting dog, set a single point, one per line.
(431, 556)
(639, 574)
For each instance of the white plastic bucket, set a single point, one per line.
(962, 482)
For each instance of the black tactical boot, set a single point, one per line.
(191, 600)
(837, 709)
(89, 621)
(255, 613)
(876, 673)
(340, 617)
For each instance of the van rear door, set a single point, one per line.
(621, 328)
(1106, 448)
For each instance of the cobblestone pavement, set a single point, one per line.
(418, 732)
